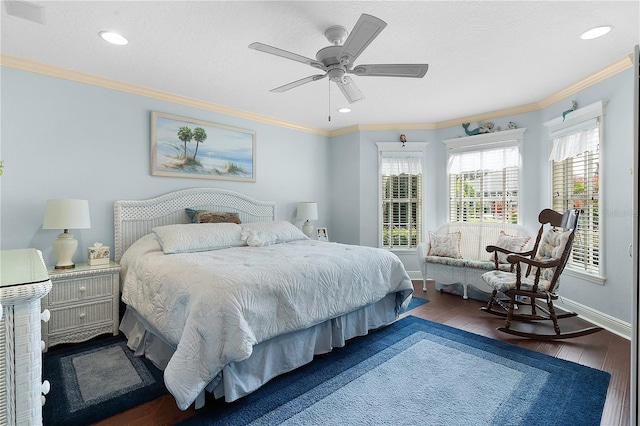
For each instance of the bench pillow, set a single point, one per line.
(509, 242)
(445, 245)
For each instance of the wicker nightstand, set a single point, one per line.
(84, 303)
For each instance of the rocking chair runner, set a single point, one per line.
(544, 265)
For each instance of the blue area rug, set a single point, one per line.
(415, 302)
(419, 372)
(96, 380)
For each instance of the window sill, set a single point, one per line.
(403, 250)
(584, 276)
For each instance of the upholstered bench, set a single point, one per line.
(456, 255)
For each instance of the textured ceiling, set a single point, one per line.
(483, 56)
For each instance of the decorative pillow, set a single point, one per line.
(509, 242)
(265, 233)
(191, 238)
(207, 216)
(445, 245)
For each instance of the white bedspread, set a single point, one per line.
(215, 306)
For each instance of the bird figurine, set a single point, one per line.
(574, 106)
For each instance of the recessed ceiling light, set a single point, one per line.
(344, 110)
(113, 38)
(596, 32)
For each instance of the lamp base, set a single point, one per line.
(64, 247)
(307, 228)
(73, 265)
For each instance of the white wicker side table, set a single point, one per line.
(84, 303)
(23, 282)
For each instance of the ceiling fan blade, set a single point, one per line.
(391, 70)
(365, 31)
(287, 55)
(350, 90)
(299, 83)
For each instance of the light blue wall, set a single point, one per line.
(62, 139)
(344, 163)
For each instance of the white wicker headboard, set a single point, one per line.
(134, 219)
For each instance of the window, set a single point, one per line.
(401, 174)
(484, 177)
(575, 157)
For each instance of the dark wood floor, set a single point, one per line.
(605, 351)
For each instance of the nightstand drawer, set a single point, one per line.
(80, 316)
(80, 289)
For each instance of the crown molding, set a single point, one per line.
(67, 74)
(613, 69)
(94, 80)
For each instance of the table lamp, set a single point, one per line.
(307, 211)
(66, 214)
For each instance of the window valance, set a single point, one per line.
(395, 165)
(576, 140)
(488, 159)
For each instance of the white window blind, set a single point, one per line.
(484, 184)
(401, 196)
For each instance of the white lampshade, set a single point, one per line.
(307, 210)
(66, 214)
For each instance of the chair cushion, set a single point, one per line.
(551, 247)
(503, 281)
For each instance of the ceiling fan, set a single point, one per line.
(338, 59)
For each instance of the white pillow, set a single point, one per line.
(509, 242)
(265, 233)
(194, 237)
(445, 245)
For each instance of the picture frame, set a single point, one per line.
(322, 234)
(190, 148)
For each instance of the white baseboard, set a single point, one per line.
(415, 275)
(609, 323)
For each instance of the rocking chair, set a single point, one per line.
(539, 284)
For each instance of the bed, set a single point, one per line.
(225, 307)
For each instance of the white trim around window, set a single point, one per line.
(397, 148)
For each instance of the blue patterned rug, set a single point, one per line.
(96, 380)
(415, 302)
(419, 372)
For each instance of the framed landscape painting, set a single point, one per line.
(185, 147)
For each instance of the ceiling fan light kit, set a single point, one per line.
(338, 59)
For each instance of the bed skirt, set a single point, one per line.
(270, 358)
